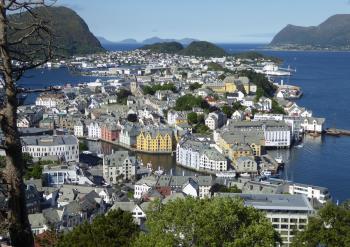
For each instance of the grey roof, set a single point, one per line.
(51, 215)
(173, 196)
(49, 140)
(125, 206)
(37, 220)
(281, 202)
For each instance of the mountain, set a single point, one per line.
(203, 49)
(128, 41)
(165, 47)
(104, 41)
(154, 40)
(196, 48)
(334, 33)
(71, 33)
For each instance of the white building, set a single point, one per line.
(287, 213)
(79, 129)
(65, 147)
(215, 120)
(94, 130)
(118, 165)
(320, 193)
(128, 134)
(59, 175)
(144, 185)
(49, 100)
(213, 160)
(312, 124)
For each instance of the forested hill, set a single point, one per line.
(71, 34)
(196, 48)
(334, 33)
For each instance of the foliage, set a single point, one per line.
(187, 102)
(132, 117)
(72, 35)
(152, 89)
(113, 229)
(276, 108)
(203, 49)
(330, 227)
(262, 83)
(195, 86)
(215, 67)
(206, 222)
(256, 55)
(165, 47)
(83, 146)
(122, 96)
(192, 118)
(201, 128)
(2, 162)
(229, 110)
(34, 171)
(46, 239)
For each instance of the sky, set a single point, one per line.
(226, 21)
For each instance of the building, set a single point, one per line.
(177, 117)
(320, 193)
(246, 164)
(94, 130)
(50, 100)
(128, 134)
(65, 147)
(215, 120)
(287, 213)
(109, 132)
(118, 165)
(79, 129)
(312, 124)
(59, 175)
(199, 155)
(144, 185)
(155, 140)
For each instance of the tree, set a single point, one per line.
(195, 86)
(35, 171)
(188, 101)
(116, 228)
(206, 222)
(330, 227)
(132, 117)
(227, 110)
(122, 96)
(192, 118)
(23, 46)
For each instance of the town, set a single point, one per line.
(217, 117)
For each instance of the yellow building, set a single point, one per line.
(232, 84)
(236, 145)
(157, 140)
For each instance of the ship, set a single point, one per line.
(271, 69)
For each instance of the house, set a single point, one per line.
(246, 164)
(137, 211)
(109, 132)
(144, 185)
(38, 223)
(215, 120)
(58, 175)
(128, 134)
(237, 115)
(94, 130)
(64, 147)
(79, 129)
(155, 140)
(190, 188)
(312, 124)
(118, 165)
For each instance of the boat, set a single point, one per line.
(300, 146)
(245, 175)
(271, 69)
(279, 160)
(226, 174)
(159, 172)
(266, 173)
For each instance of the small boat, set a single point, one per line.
(266, 173)
(279, 160)
(159, 172)
(226, 174)
(300, 146)
(245, 175)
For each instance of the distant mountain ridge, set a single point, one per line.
(149, 41)
(195, 48)
(334, 33)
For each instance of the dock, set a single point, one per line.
(337, 132)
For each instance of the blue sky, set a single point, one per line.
(241, 21)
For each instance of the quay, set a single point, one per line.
(337, 132)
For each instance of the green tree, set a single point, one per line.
(206, 222)
(330, 227)
(276, 108)
(195, 86)
(113, 229)
(228, 110)
(192, 118)
(122, 96)
(83, 146)
(34, 171)
(188, 101)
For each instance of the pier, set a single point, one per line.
(337, 132)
